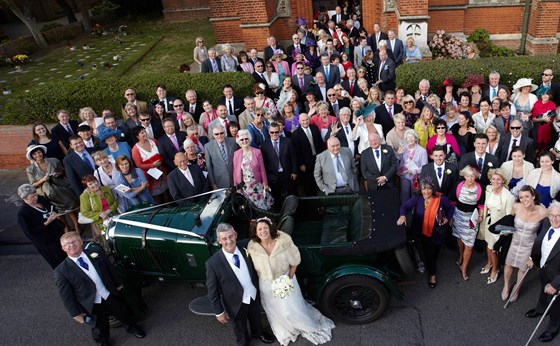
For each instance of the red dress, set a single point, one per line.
(544, 130)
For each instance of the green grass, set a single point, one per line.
(152, 48)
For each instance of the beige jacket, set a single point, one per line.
(284, 255)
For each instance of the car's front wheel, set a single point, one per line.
(355, 299)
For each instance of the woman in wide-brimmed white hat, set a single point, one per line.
(522, 97)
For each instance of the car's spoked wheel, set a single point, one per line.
(241, 208)
(355, 299)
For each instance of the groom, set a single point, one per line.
(232, 276)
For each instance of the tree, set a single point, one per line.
(86, 19)
(27, 19)
(68, 11)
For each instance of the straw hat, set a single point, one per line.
(32, 148)
(523, 82)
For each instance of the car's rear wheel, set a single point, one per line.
(405, 262)
(355, 299)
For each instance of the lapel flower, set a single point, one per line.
(448, 171)
(384, 151)
(247, 255)
(490, 164)
(94, 255)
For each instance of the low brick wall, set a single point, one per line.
(13, 142)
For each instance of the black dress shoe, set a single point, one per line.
(533, 313)
(547, 336)
(266, 338)
(139, 332)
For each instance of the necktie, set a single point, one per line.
(223, 152)
(335, 108)
(391, 112)
(347, 129)
(189, 177)
(236, 260)
(230, 107)
(380, 69)
(214, 65)
(310, 139)
(493, 93)
(512, 146)
(192, 109)
(506, 126)
(439, 172)
(377, 153)
(84, 265)
(479, 163)
(174, 141)
(87, 161)
(226, 125)
(277, 149)
(69, 129)
(351, 88)
(149, 132)
(550, 233)
(301, 84)
(363, 51)
(340, 169)
(327, 74)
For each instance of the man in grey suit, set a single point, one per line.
(90, 289)
(378, 164)
(360, 51)
(222, 120)
(335, 169)
(219, 159)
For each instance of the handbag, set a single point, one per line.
(415, 183)
(83, 220)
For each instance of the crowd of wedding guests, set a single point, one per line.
(325, 117)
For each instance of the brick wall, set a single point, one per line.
(440, 20)
(181, 10)
(413, 7)
(13, 143)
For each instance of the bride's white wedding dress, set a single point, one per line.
(290, 316)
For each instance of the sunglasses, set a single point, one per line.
(130, 94)
(259, 115)
(331, 95)
(142, 120)
(259, 93)
(243, 139)
(177, 105)
(408, 102)
(515, 127)
(546, 74)
(299, 68)
(258, 65)
(440, 128)
(219, 133)
(274, 132)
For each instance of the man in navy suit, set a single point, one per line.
(480, 158)
(166, 100)
(232, 285)
(212, 64)
(279, 157)
(78, 164)
(186, 180)
(396, 47)
(170, 143)
(152, 126)
(378, 164)
(271, 49)
(331, 72)
(443, 174)
(493, 86)
(386, 77)
(384, 113)
(91, 290)
(351, 84)
(65, 127)
(516, 138)
(376, 36)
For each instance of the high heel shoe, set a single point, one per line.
(485, 270)
(505, 294)
(515, 293)
(491, 279)
(432, 284)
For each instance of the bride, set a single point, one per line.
(274, 254)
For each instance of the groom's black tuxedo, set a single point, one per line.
(222, 282)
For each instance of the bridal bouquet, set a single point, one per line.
(282, 286)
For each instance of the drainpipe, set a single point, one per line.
(526, 12)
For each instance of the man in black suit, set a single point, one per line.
(295, 47)
(515, 138)
(338, 16)
(161, 92)
(271, 49)
(186, 180)
(307, 143)
(78, 164)
(422, 94)
(65, 127)
(259, 77)
(279, 157)
(546, 254)
(232, 285)
(493, 86)
(444, 175)
(91, 290)
(234, 104)
(330, 71)
(480, 159)
(320, 87)
(92, 143)
(212, 64)
(351, 84)
(301, 81)
(153, 127)
(376, 36)
(378, 164)
(336, 104)
(386, 77)
(384, 113)
(343, 131)
(110, 123)
(548, 85)
(193, 105)
(396, 47)
(170, 143)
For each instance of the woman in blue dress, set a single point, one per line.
(114, 147)
(516, 168)
(546, 180)
(135, 182)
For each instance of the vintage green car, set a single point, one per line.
(351, 249)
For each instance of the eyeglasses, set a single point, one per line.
(547, 74)
(295, 38)
(408, 102)
(274, 132)
(131, 94)
(440, 128)
(515, 127)
(243, 139)
(258, 65)
(259, 115)
(331, 95)
(299, 68)
(218, 133)
(142, 120)
(177, 105)
(259, 93)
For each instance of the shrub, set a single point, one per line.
(445, 45)
(42, 101)
(511, 69)
(487, 48)
(106, 7)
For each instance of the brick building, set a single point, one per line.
(252, 21)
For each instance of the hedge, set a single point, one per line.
(42, 101)
(510, 69)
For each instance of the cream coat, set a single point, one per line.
(532, 179)
(508, 168)
(284, 255)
